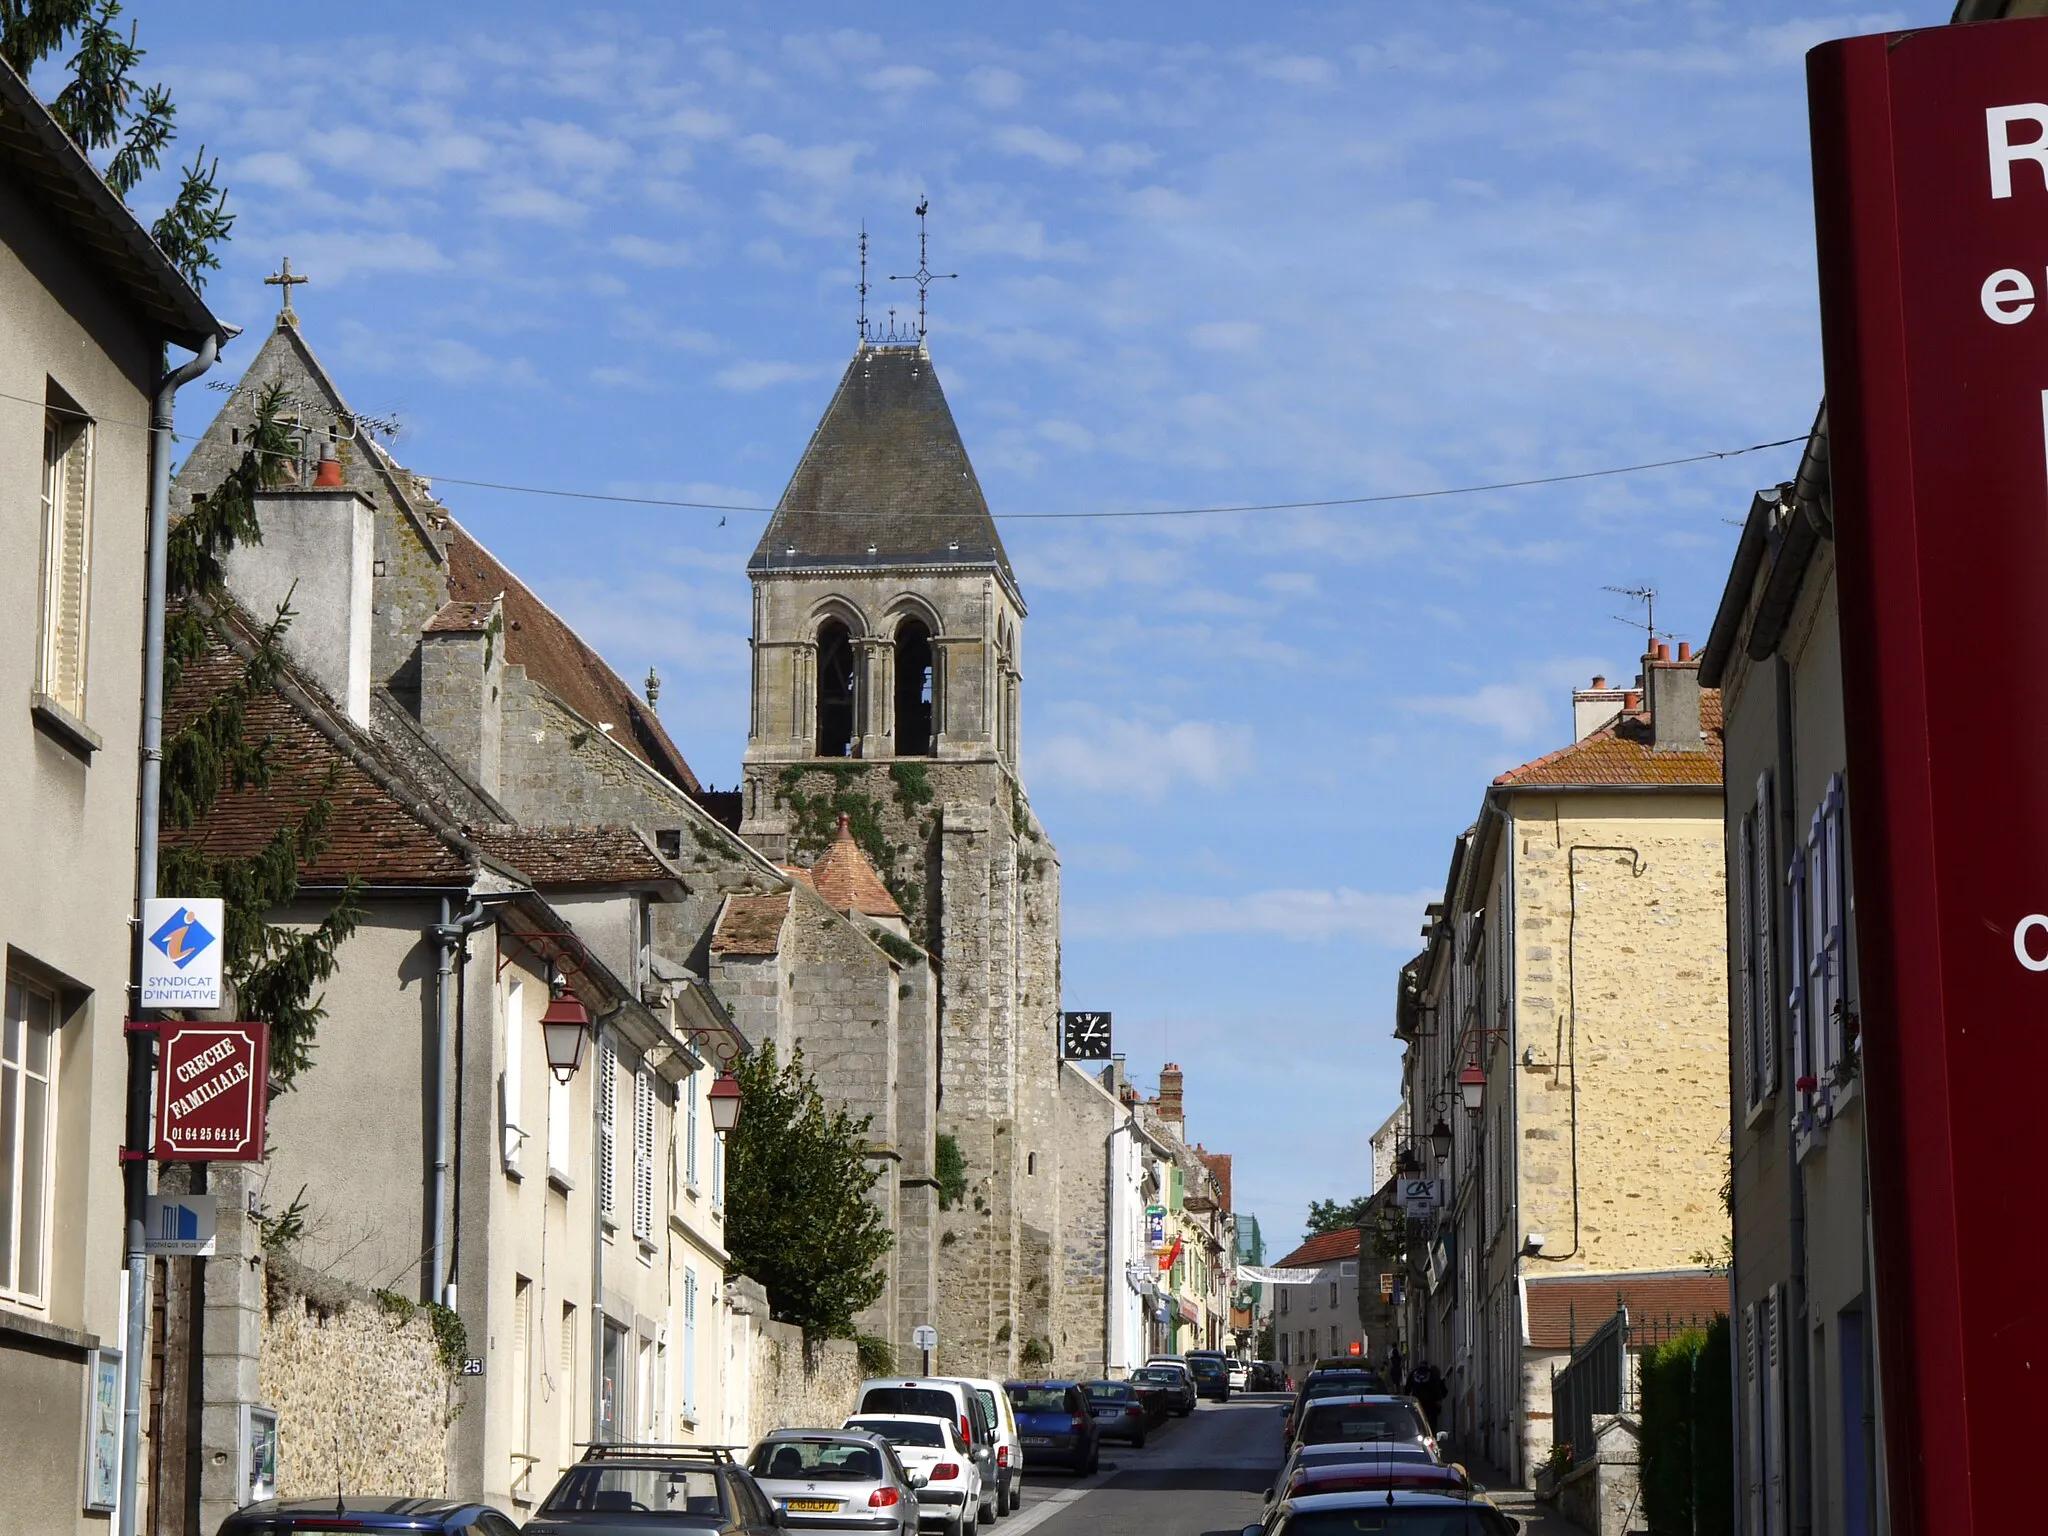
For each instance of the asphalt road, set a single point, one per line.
(1199, 1476)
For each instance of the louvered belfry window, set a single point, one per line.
(67, 544)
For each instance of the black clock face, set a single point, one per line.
(1085, 1036)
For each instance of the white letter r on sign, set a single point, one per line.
(1998, 123)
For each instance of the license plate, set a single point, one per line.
(812, 1506)
(1038, 1439)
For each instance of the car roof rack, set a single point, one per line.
(647, 1449)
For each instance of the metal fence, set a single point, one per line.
(1594, 1381)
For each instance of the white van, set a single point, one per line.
(944, 1397)
(1009, 1443)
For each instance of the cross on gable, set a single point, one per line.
(286, 279)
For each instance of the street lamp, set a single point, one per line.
(725, 1103)
(1406, 1163)
(1472, 1086)
(564, 1028)
(1440, 1138)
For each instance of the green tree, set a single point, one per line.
(797, 1214)
(1335, 1216)
(209, 749)
(107, 113)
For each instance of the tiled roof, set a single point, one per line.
(374, 833)
(1564, 1308)
(460, 618)
(1622, 754)
(1325, 1249)
(557, 856)
(885, 479)
(750, 925)
(847, 880)
(1219, 1165)
(555, 656)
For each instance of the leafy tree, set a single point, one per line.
(209, 750)
(1335, 1216)
(106, 112)
(798, 1217)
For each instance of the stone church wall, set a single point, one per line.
(1080, 1315)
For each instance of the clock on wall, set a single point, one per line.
(1084, 1036)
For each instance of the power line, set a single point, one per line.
(1029, 517)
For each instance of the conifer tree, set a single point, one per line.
(107, 113)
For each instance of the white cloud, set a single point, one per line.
(273, 168)
(994, 88)
(651, 253)
(1296, 69)
(1518, 711)
(697, 123)
(745, 378)
(541, 205)
(815, 162)
(572, 147)
(1113, 756)
(1389, 919)
(1227, 335)
(1038, 143)
(337, 257)
(897, 79)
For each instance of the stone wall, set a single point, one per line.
(363, 1400)
(789, 1387)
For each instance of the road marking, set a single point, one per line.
(1024, 1520)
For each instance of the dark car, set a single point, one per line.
(1119, 1411)
(1056, 1423)
(359, 1512)
(1327, 1381)
(1212, 1374)
(1161, 1401)
(1266, 1377)
(1393, 1513)
(614, 1488)
(1417, 1473)
(1178, 1384)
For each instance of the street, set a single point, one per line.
(1198, 1476)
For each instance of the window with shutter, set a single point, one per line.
(607, 1071)
(1745, 959)
(1774, 1412)
(1753, 1418)
(1766, 937)
(1795, 997)
(643, 1155)
(690, 1342)
(1831, 936)
(690, 1133)
(67, 546)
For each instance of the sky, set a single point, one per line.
(1208, 255)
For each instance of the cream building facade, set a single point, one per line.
(1576, 968)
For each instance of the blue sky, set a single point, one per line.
(1208, 254)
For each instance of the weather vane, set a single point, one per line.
(286, 279)
(924, 276)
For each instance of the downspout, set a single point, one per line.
(141, 1049)
(1799, 1473)
(448, 936)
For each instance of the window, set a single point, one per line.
(1333, 1293)
(558, 1130)
(690, 1137)
(1827, 858)
(1796, 1015)
(643, 1391)
(611, 1384)
(643, 1155)
(607, 1071)
(689, 1343)
(522, 1393)
(835, 690)
(566, 1389)
(512, 1083)
(913, 689)
(67, 549)
(717, 1171)
(28, 1126)
(1283, 1298)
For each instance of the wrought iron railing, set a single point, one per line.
(1594, 1381)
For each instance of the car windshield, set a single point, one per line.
(928, 1401)
(815, 1461)
(1039, 1399)
(1153, 1374)
(678, 1493)
(1203, 1366)
(903, 1432)
(1108, 1391)
(1377, 1519)
(1339, 1423)
(1350, 1384)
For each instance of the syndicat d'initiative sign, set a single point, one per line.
(181, 952)
(1930, 166)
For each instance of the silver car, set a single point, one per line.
(836, 1480)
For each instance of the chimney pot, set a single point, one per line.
(1685, 650)
(327, 477)
(1631, 702)
(1599, 681)
(1663, 651)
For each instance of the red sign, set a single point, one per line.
(1931, 189)
(211, 1081)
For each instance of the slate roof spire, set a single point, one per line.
(885, 479)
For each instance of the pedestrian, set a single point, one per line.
(1426, 1386)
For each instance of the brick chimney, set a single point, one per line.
(1674, 698)
(1170, 1102)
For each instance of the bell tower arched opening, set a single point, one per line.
(835, 690)
(914, 679)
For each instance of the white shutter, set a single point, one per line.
(643, 1155)
(1774, 1412)
(1835, 935)
(690, 1342)
(1795, 996)
(1753, 1415)
(1745, 964)
(607, 1069)
(67, 543)
(1765, 943)
(690, 1132)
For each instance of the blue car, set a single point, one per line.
(1056, 1424)
(440, 1517)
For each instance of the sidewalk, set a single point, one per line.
(1537, 1519)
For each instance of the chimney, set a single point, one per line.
(1170, 1107)
(462, 676)
(1594, 708)
(319, 548)
(1674, 699)
(327, 477)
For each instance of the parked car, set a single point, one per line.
(1180, 1373)
(836, 1479)
(1268, 1377)
(1328, 1382)
(1009, 1443)
(947, 1478)
(948, 1396)
(1394, 1513)
(1161, 1400)
(1212, 1374)
(612, 1490)
(1057, 1424)
(364, 1512)
(1367, 1423)
(1173, 1380)
(1240, 1376)
(1119, 1412)
(1348, 1473)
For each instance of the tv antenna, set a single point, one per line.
(1647, 596)
(863, 279)
(924, 276)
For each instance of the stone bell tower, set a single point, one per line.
(887, 669)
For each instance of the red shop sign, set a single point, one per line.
(211, 1081)
(1930, 163)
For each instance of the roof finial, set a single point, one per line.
(924, 276)
(286, 279)
(863, 281)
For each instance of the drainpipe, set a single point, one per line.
(448, 936)
(141, 1048)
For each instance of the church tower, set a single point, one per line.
(887, 674)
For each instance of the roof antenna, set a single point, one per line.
(924, 276)
(863, 281)
(1647, 596)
